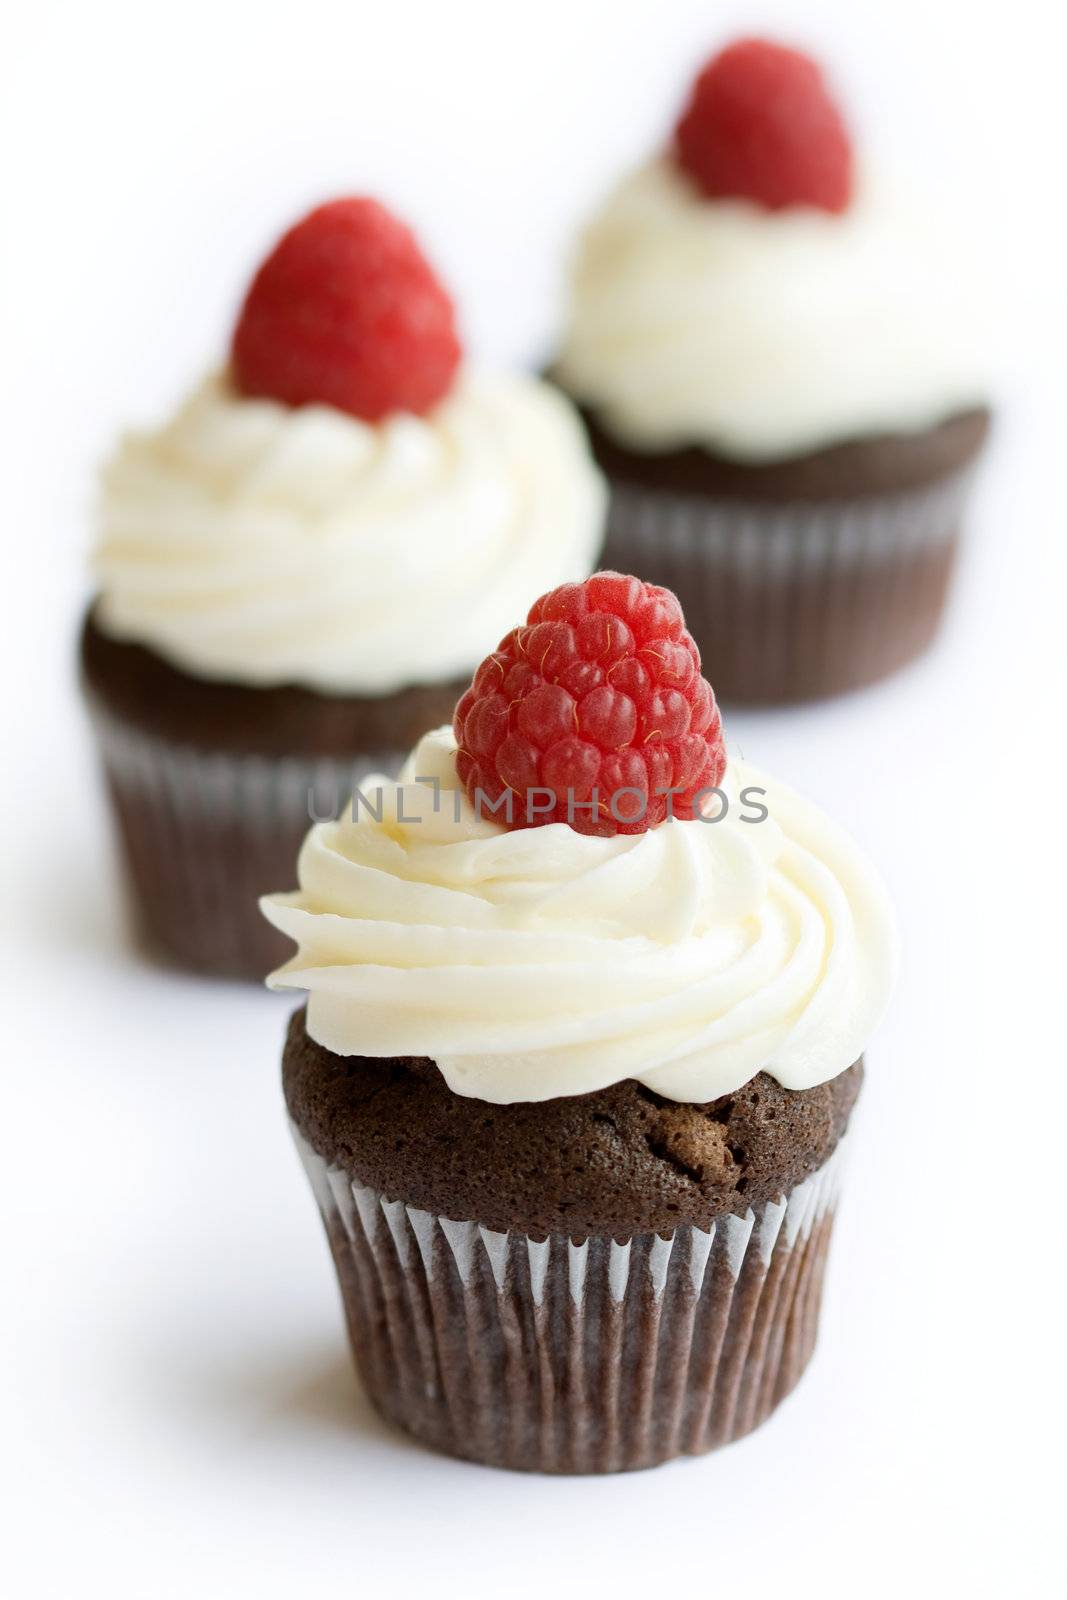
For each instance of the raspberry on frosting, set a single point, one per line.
(346, 311)
(594, 713)
(762, 125)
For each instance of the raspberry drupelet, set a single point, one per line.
(594, 713)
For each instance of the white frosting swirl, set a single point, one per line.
(260, 544)
(764, 334)
(538, 963)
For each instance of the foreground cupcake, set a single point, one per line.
(300, 570)
(587, 1003)
(784, 382)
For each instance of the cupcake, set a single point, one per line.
(298, 572)
(782, 376)
(587, 1003)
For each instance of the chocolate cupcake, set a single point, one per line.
(299, 571)
(587, 1005)
(782, 373)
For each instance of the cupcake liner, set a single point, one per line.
(553, 1355)
(204, 834)
(795, 601)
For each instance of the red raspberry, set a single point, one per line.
(761, 125)
(347, 311)
(600, 691)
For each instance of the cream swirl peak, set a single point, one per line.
(543, 962)
(762, 334)
(261, 544)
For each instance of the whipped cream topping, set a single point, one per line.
(537, 963)
(261, 544)
(765, 334)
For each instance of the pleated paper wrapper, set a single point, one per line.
(597, 1356)
(798, 601)
(204, 834)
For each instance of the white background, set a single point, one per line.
(181, 1418)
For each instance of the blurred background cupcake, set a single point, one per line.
(784, 377)
(577, 1065)
(298, 572)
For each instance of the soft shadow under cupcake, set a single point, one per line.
(293, 1394)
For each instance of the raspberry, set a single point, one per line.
(761, 125)
(590, 713)
(346, 311)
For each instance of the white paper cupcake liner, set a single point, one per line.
(555, 1356)
(204, 834)
(794, 601)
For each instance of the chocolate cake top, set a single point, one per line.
(620, 1161)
